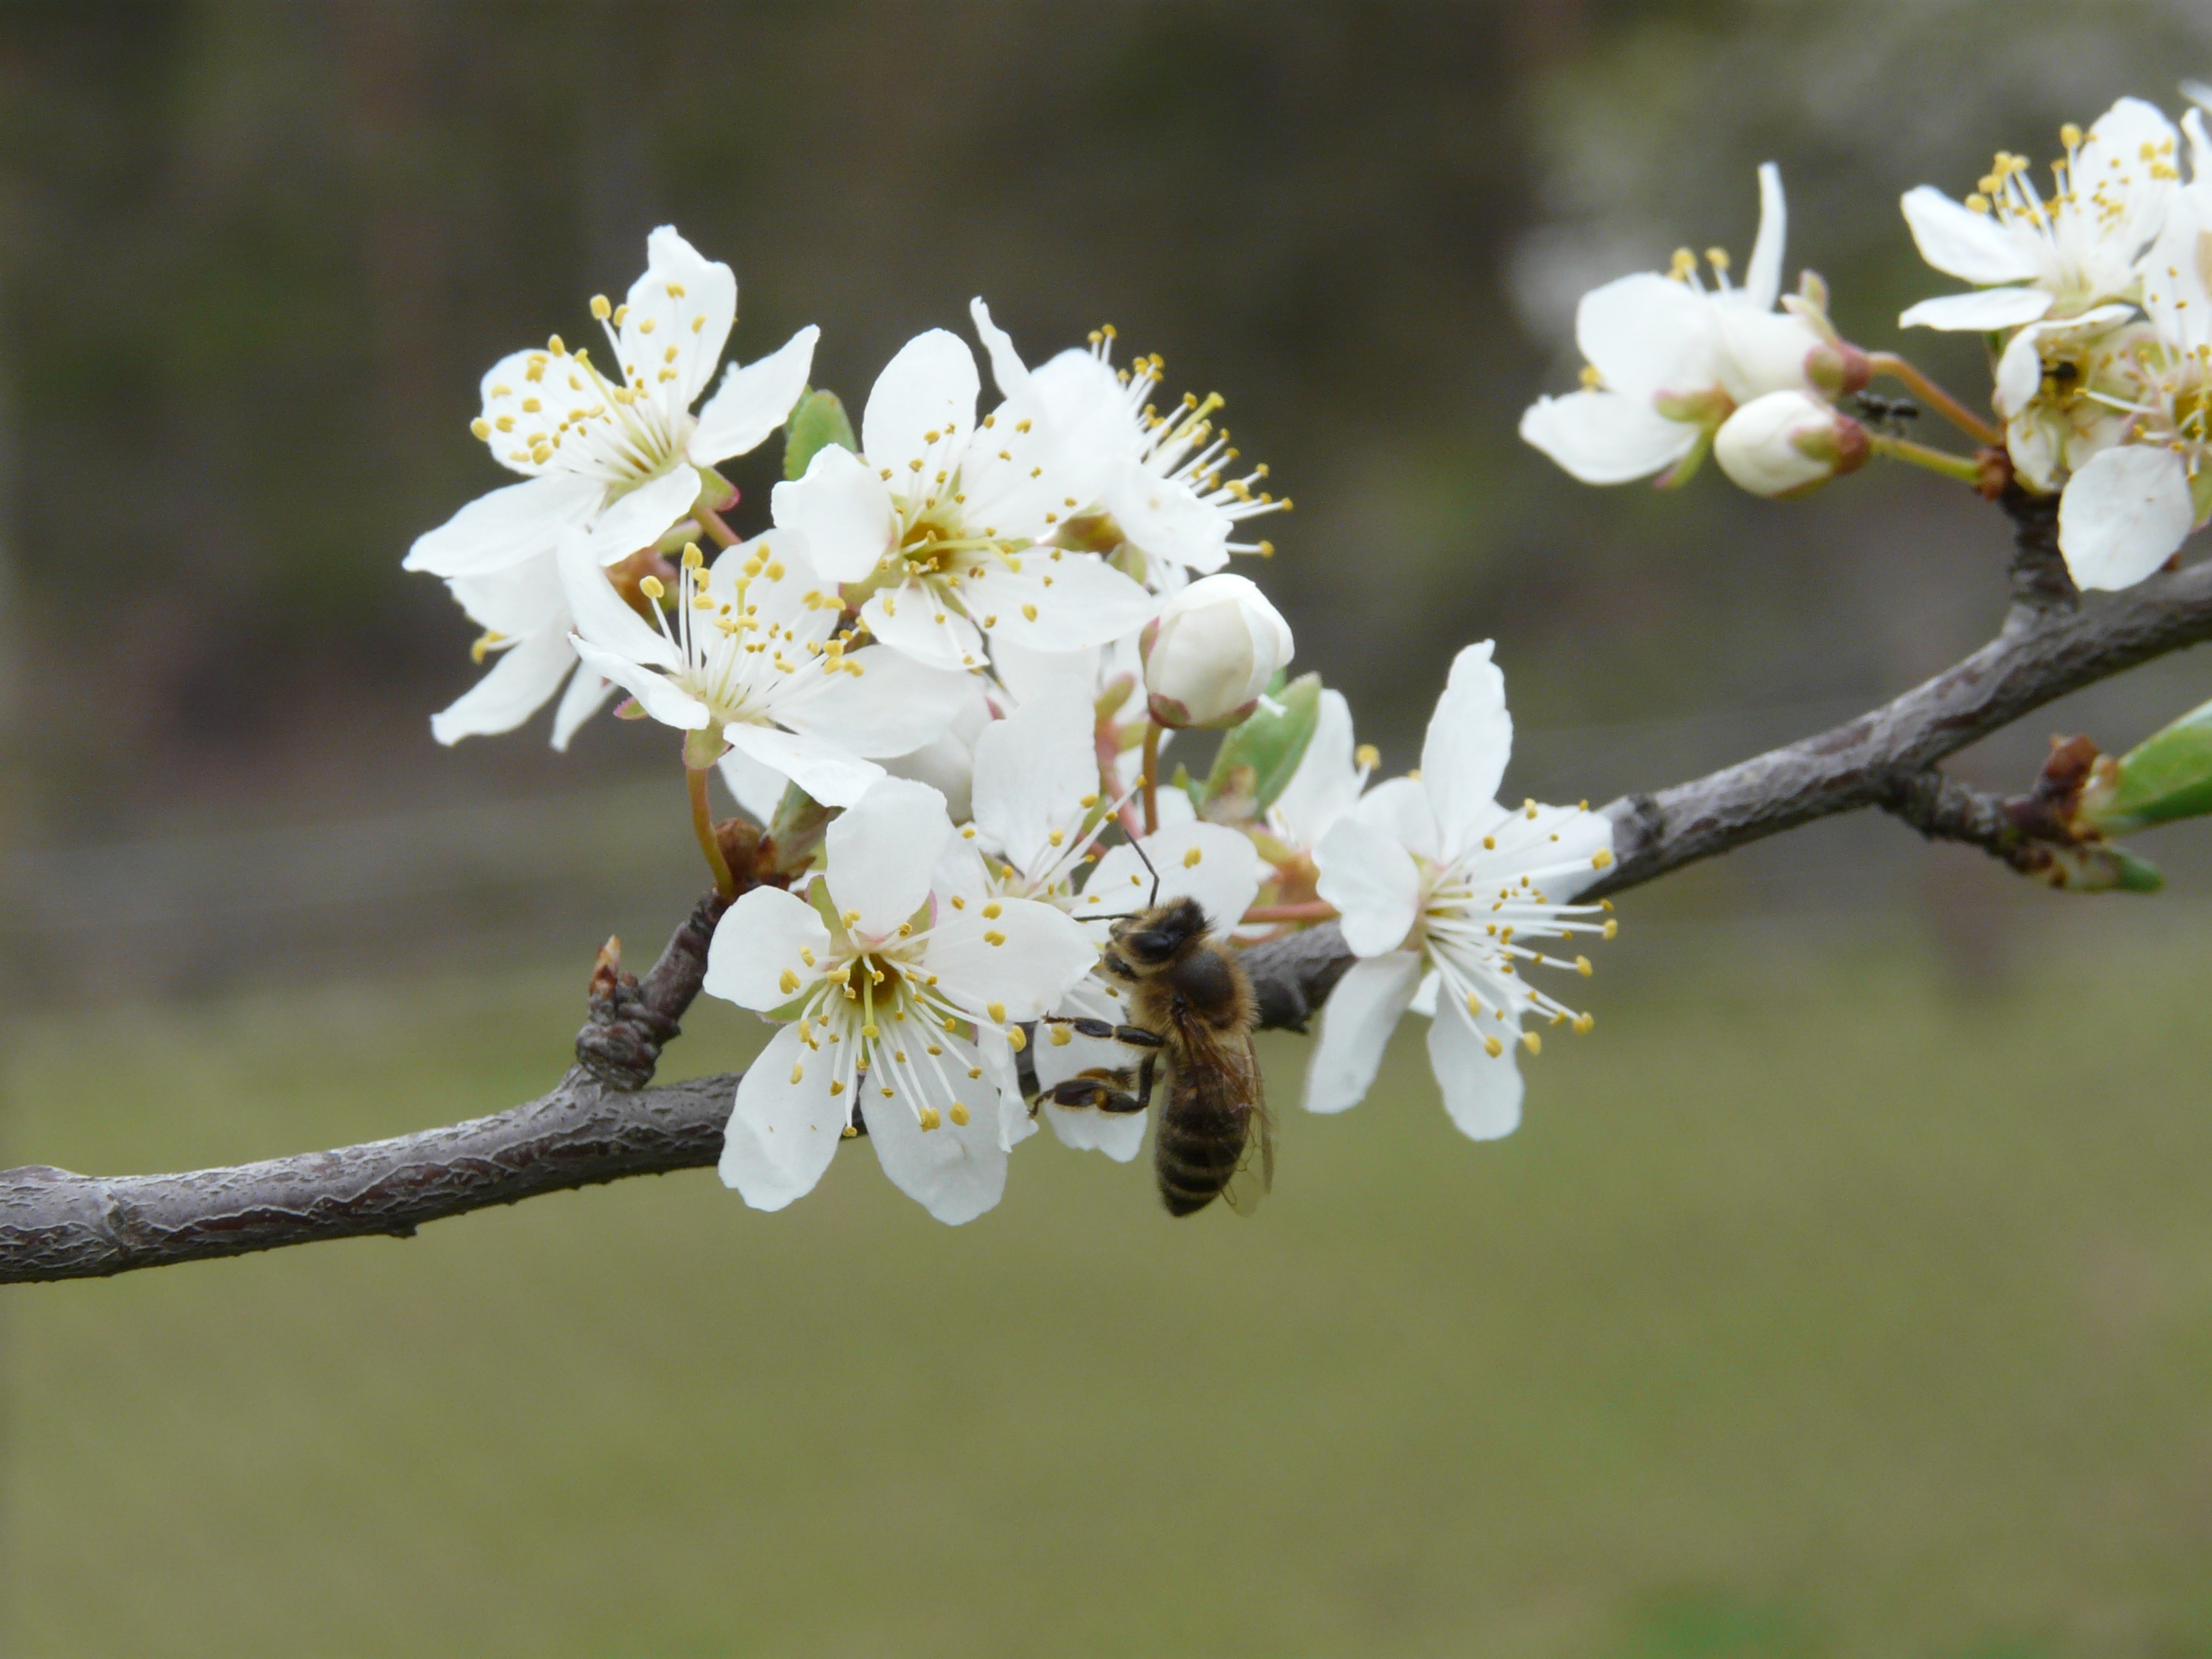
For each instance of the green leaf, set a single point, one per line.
(2100, 869)
(817, 421)
(1259, 756)
(796, 830)
(2165, 777)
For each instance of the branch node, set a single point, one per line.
(2041, 584)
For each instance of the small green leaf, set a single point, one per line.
(2165, 777)
(1259, 756)
(796, 830)
(2100, 869)
(816, 422)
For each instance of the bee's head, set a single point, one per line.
(1155, 937)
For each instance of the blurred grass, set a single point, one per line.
(1815, 1311)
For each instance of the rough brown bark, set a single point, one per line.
(55, 1224)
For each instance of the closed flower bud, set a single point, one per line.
(1212, 652)
(1788, 444)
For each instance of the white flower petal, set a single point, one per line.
(882, 849)
(507, 526)
(955, 1171)
(1372, 881)
(2019, 372)
(844, 509)
(520, 683)
(1033, 772)
(684, 304)
(781, 1134)
(825, 769)
(930, 386)
(1025, 958)
(759, 956)
(1006, 366)
(1985, 309)
(644, 515)
(602, 615)
(1326, 785)
(1400, 808)
(892, 706)
(1602, 438)
(1469, 740)
(1482, 1093)
(1068, 603)
(1762, 276)
(1356, 1025)
(662, 699)
(1163, 518)
(587, 695)
(1119, 1135)
(2124, 516)
(754, 400)
(1648, 334)
(1209, 862)
(757, 789)
(1962, 243)
(910, 619)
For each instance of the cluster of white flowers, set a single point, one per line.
(962, 638)
(2095, 296)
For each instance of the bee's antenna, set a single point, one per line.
(1138, 847)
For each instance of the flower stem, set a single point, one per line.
(1151, 776)
(1889, 363)
(703, 825)
(711, 522)
(1310, 910)
(1964, 468)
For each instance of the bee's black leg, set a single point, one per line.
(1135, 1036)
(1097, 1091)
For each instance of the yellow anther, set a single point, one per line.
(1683, 263)
(1612, 927)
(479, 648)
(1054, 837)
(1062, 1036)
(991, 911)
(602, 306)
(929, 1117)
(1493, 1046)
(1029, 612)
(797, 1071)
(1474, 1005)
(1367, 755)
(650, 588)
(1717, 258)
(774, 571)
(852, 918)
(959, 1116)
(693, 558)
(2070, 136)
(1584, 1022)
(869, 1031)
(1979, 203)
(648, 324)
(1532, 1043)
(480, 427)
(836, 1088)
(993, 936)
(1582, 967)
(1190, 860)
(997, 1011)
(554, 346)
(787, 981)
(1602, 858)
(1015, 1039)
(1591, 380)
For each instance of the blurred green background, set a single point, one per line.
(1847, 1294)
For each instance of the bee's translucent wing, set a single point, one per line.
(1255, 1174)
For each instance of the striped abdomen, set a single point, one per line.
(1201, 1143)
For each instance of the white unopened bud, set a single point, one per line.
(1788, 444)
(1211, 652)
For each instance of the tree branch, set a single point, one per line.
(54, 1225)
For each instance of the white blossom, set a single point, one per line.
(1214, 647)
(752, 659)
(2033, 256)
(1330, 779)
(615, 453)
(1447, 896)
(523, 611)
(1668, 359)
(2128, 507)
(896, 1002)
(936, 529)
(1157, 485)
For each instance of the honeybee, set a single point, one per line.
(1191, 1003)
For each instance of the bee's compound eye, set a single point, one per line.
(1149, 946)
